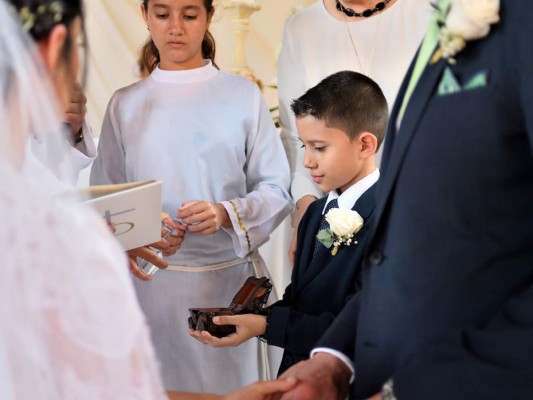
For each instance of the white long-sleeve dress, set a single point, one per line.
(209, 136)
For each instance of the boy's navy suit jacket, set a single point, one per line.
(320, 286)
(446, 306)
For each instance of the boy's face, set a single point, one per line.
(335, 162)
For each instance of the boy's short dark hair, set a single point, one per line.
(348, 101)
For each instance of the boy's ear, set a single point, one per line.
(51, 48)
(369, 143)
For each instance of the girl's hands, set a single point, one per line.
(146, 254)
(203, 217)
(171, 244)
(167, 246)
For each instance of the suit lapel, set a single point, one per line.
(364, 206)
(398, 141)
(305, 251)
(391, 128)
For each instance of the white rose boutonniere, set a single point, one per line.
(464, 20)
(343, 225)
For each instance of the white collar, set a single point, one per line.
(348, 198)
(185, 76)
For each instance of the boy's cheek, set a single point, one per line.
(324, 186)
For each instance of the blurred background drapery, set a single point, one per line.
(117, 31)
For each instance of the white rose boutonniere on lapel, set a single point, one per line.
(464, 20)
(343, 225)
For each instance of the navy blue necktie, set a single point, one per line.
(324, 224)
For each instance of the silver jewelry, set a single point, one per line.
(364, 71)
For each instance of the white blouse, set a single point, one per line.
(207, 135)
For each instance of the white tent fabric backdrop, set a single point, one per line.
(116, 32)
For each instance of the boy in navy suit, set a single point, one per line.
(341, 122)
(446, 306)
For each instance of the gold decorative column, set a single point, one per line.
(240, 12)
(306, 3)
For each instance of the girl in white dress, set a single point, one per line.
(71, 326)
(209, 137)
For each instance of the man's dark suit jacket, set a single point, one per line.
(446, 308)
(320, 286)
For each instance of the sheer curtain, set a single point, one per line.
(117, 31)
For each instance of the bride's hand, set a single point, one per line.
(263, 390)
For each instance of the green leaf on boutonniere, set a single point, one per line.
(326, 237)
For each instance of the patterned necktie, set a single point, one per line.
(324, 224)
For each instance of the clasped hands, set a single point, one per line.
(324, 376)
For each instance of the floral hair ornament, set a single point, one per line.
(461, 21)
(343, 225)
(44, 15)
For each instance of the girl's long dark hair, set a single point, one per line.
(150, 55)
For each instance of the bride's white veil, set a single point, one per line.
(25, 107)
(70, 324)
(25, 98)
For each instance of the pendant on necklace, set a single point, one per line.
(367, 13)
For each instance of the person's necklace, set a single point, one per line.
(367, 13)
(363, 70)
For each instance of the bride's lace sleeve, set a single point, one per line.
(72, 328)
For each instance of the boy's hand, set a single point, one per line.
(247, 325)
